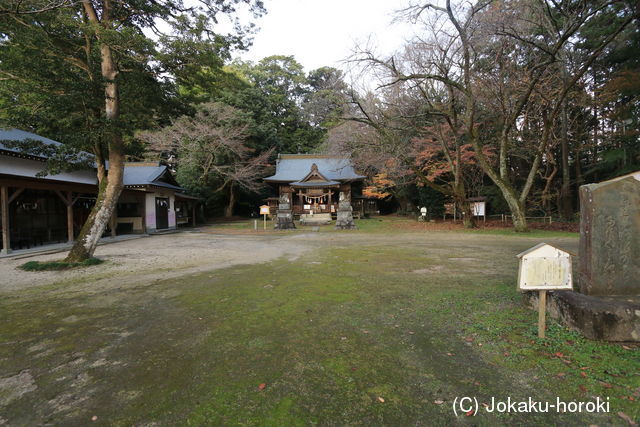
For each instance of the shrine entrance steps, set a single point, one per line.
(315, 219)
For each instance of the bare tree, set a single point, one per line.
(432, 107)
(492, 59)
(212, 145)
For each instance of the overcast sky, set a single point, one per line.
(324, 32)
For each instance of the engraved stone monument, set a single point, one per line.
(284, 214)
(610, 237)
(344, 220)
(608, 304)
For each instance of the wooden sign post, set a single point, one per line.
(264, 210)
(542, 312)
(542, 268)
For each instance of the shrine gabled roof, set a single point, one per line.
(315, 183)
(147, 175)
(295, 167)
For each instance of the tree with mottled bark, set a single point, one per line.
(115, 32)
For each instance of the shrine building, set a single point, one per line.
(314, 188)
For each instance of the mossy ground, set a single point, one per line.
(407, 319)
(388, 224)
(58, 265)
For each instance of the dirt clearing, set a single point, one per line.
(296, 328)
(153, 258)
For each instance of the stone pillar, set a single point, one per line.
(610, 237)
(344, 220)
(284, 214)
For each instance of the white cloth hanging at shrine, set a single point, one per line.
(315, 199)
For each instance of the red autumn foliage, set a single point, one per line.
(437, 152)
(379, 186)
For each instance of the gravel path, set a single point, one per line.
(154, 258)
(138, 262)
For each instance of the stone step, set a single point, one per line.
(320, 218)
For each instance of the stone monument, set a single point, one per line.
(284, 214)
(344, 220)
(610, 237)
(607, 306)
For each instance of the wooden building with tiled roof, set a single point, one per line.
(314, 187)
(37, 209)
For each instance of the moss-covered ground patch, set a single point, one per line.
(58, 265)
(388, 224)
(380, 332)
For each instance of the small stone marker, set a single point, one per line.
(542, 268)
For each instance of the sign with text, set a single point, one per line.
(478, 208)
(544, 267)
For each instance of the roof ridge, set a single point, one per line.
(140, 164)
(157, 173)
(28, 135)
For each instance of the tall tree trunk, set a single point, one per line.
(468, 221)
(548, 181)
(109, 191)
(516, 205)
(101, 169)
(92, 230)
(566, 199)
(228, 210)
(518, 214)
(579, 179)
